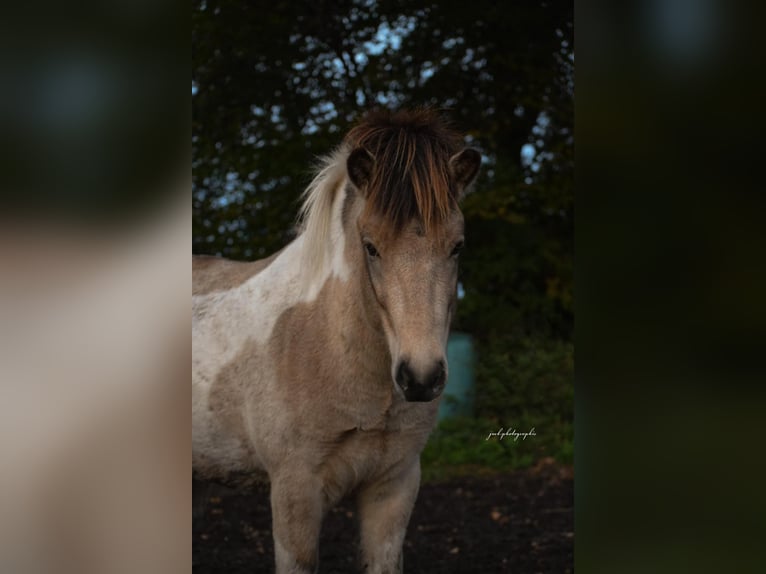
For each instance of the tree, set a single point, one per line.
(274, 85)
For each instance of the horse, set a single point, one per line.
(320, 368)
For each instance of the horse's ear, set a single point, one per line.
(359, 166)
(464, 167)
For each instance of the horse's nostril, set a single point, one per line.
(404, 375)
(438, 376)
(422, 387)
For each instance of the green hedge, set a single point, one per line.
(521, 385)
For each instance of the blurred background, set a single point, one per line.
(94, 274)
(274, 88)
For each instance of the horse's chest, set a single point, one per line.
(373, 453)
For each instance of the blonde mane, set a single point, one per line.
(315, 217)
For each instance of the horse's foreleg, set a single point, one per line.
(297, 511)
(384, 512)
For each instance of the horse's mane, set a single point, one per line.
(409, 178)
(315, 215)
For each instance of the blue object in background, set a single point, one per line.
(459, 395)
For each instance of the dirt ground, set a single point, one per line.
(522, 522)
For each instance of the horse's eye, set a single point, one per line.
(370, 248)
(457, 249)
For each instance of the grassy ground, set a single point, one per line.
(463, 447)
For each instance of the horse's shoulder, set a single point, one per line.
(211, 274)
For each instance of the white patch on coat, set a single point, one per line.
(223, 322)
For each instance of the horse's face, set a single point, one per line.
(412, 272)
(413, 276)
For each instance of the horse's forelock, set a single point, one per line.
(410, 177)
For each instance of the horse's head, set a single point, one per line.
(409, 233)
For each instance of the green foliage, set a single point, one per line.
(521, 385)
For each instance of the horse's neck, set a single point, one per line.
(333, 280)
(358, 345)
(343, 302)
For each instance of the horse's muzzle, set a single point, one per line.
(421, 389)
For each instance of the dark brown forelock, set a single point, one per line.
(411, 174)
